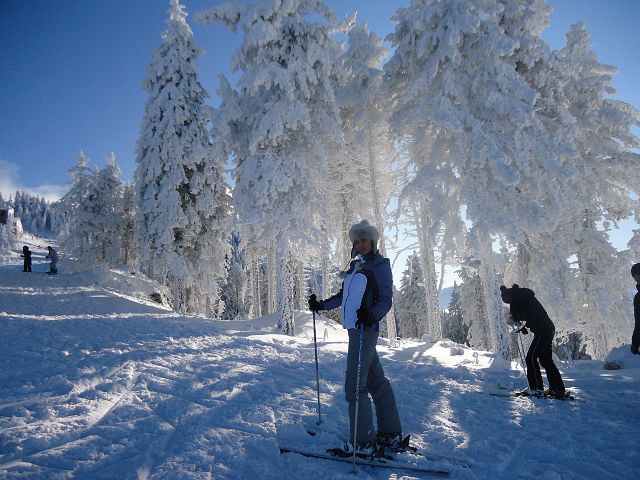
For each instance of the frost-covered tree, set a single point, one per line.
(606, 143)
(7, 240)
(75, 237)
(541, 263)
(129, 252)
(411, 306)
(365, 178)
(95, 223)
(476, 90)
(473, 301)
(461, 105)
(284, 128)
(7, 231)
(183, 198)
(234, 289)
(453, 325)
(572, 104)
(102, 215)
(34, 212)
(608, 151)
(363, 175)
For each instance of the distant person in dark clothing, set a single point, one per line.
(53, 255)
(525, 307)
(635, 339)
(26, 253)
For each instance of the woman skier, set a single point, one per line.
(365, 298)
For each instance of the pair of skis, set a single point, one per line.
(546, 395)
(385, 458)
(383, 462)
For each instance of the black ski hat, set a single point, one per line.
(505, 294)
(635, 270)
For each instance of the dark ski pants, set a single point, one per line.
(540, 350)
(372, 381)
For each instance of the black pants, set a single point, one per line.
(540, 350)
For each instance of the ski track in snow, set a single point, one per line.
(97, 383)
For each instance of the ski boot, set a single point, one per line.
(560, 395)
(393, 442)
(367, 450)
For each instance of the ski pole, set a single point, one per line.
(355, 420)
(522, 360)
(315, 345)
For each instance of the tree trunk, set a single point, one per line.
(432, 325)
(271, 279)
(389, 321)
(495, 313)
(326, 277)
(285, 287)
(301, 286)
(254, 281)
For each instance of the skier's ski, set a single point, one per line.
(545, 395)
(375, 463)
(404, 448)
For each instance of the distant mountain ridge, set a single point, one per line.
(445, 298)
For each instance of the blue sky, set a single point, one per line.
(72, 73)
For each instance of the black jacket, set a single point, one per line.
(635, 339)
(525, 307)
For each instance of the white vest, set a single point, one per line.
(353, 290)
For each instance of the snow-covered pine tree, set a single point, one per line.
(234, 289)
(7, 235)
(453, 325)
(255, 297)
(608, 153)
(572, 86)
(497, 141)
(541, 263)
(129, 252)
(472, 301)
(101, 215)
(461, 143)
(33, 211)
(367, 182)
(224, 134)
(556, 175)
(411, 306)
(284, 126)
(183, 198)
(74, 236)
(633, 254)
(359, 71)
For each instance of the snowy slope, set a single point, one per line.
(99, 382)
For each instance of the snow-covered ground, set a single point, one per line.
(98, 381)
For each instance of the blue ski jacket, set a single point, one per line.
(378, 293)
(635, 339)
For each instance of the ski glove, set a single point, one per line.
(634, 350)
(314, 304)
(365, 317)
